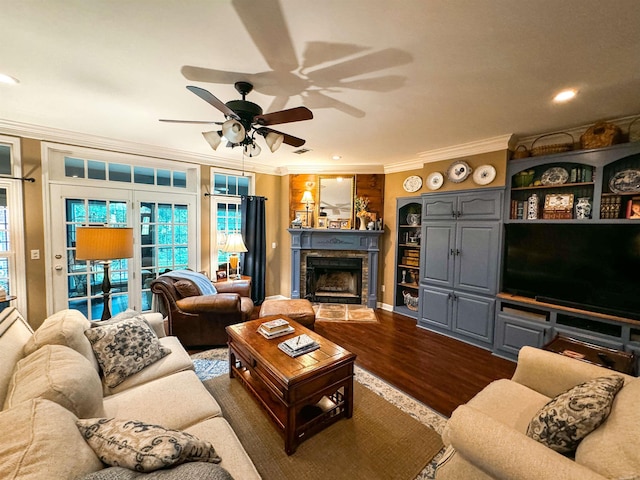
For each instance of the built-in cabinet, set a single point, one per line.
(607, 181)
(461, 239)
(408, 242)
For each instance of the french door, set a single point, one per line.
(165, 239)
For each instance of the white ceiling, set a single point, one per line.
(386, 81)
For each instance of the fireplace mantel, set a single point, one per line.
(337, 240)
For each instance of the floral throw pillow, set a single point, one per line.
(141, 446)
(563, 422)
(125, 348)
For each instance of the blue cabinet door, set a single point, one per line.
(438, 250)
(473, 317)
(435, 308)
(476, 257)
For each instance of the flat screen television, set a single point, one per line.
(594, 267)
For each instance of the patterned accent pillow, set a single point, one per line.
(125, 348)
(563, 422)
(141, 446)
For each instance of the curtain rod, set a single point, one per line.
(24, 179)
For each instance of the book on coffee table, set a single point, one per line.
(299, 345)
(275, 325)
(277, 333)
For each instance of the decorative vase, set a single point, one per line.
(583, 208)
(532, 207)
(363, 222)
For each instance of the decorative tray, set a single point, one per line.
(626, 181)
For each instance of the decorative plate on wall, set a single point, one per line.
(435, 181)
(484, 174)
(412, 184)
(458, 171)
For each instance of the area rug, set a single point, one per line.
(403, 402)
(338, 312)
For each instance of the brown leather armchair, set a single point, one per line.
(200, 320)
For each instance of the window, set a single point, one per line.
(228, 188)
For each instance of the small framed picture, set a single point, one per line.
(334, 223)
(633, 209)
(345, 223)
(221, 275)
(322, 222)
(302, 216)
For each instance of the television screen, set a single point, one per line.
(593, 267)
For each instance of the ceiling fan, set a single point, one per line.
(245, 119)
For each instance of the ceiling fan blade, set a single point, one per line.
(207, 122)
(288, 139)
(284, 116)
(213, 100)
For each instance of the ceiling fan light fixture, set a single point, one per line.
(252, 150)
(213, 138)
(274, 140)
(233, 131)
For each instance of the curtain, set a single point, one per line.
(253, 228)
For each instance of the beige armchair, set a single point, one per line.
(486, 438)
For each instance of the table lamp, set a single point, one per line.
(234, 246)
(307, 199)
(104, 244)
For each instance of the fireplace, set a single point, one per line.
(334, 279)
(356, 250)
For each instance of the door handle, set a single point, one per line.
(58, 267)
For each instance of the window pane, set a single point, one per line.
(164, 177)
(143, 175)
(119, 172)
(97, 212)
(180, 179)
(97, 170)
(165, 213)
(5, 160)
(74, 167)
(181, 214)
(220, 184)
(243, 186)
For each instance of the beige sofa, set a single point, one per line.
(486, 437)
(45, 394)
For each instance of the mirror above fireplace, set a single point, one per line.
(335, 197)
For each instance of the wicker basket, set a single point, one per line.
(411, 301)
(520, 152)
(552, 148)
(602, 134)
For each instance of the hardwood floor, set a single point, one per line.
(437, 370)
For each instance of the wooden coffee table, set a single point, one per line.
(302, 395)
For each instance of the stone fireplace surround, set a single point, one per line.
(363, 244)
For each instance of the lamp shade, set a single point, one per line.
(252, 150)
(213, 138)
(233, 131)
(307, 197)
(104, 243)
(274, 140)
(234, 244)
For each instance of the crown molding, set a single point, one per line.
(66, 137)
(486, 145)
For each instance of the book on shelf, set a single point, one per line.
(298, 345)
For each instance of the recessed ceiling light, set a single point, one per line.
(565, 95)
(8, 79)
(336, 157)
